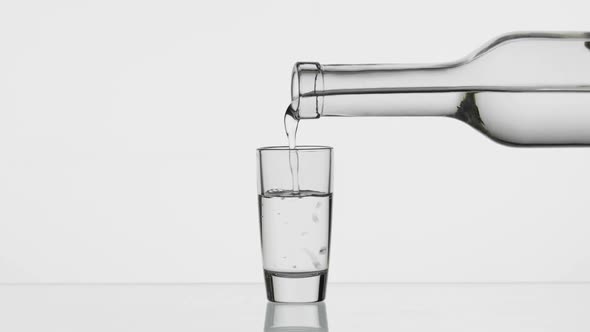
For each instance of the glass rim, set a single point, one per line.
(297, 148)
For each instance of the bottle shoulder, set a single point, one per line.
(527, 37)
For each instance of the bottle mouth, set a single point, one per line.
(306, 81)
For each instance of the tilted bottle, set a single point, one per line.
(524, 89)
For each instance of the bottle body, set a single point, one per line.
(520, 89)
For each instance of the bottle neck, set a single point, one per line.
(374, 90)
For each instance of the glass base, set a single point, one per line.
(299, 287)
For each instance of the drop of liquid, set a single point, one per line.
(323, 250)
(294, 266)
(315, 218)
(304, 233)
(317, 265)
(318, 205)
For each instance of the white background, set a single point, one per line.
(128, 132)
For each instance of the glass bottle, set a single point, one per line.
(519, 89)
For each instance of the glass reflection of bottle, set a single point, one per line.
(300, 317)
(519, 89)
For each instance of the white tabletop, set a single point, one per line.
(348, 307)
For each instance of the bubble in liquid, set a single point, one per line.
(315, 218)
(304, 233)
(318, 205)
(323, 250)
(313, 258)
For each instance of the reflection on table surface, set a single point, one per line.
(243, 307)
(300, 317)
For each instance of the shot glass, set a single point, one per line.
(295, 215)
